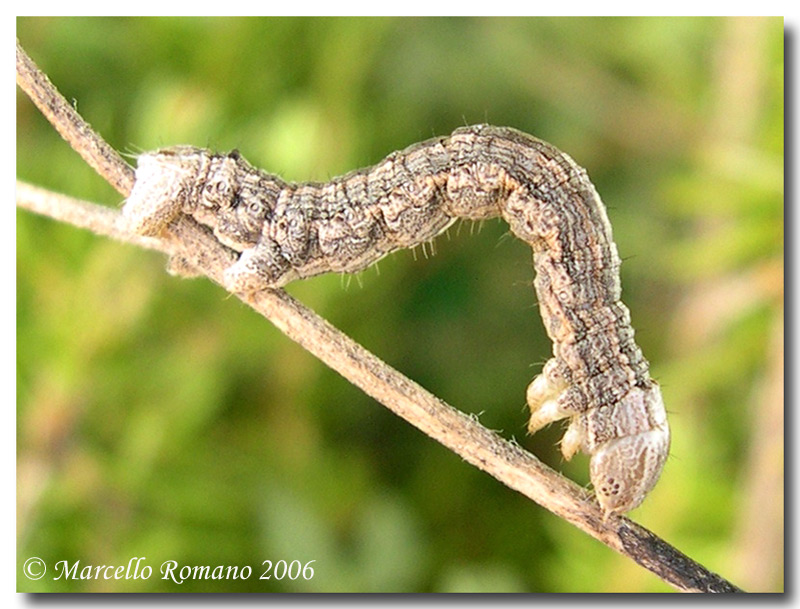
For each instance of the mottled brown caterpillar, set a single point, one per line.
(597, 377)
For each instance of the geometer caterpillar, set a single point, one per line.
(597, 377)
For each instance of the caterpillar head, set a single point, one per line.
(625, 469)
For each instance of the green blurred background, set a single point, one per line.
(159, 417)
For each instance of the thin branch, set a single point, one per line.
(462, 434)
(93, 149)
(96, 218)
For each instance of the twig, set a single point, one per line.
(504, 460)
(96, 218)
(95, 151)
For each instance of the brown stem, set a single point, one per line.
(95, 151)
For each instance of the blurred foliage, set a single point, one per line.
(159, 418)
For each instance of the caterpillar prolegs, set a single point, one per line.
(597, 377)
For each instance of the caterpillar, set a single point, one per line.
(597, 377)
